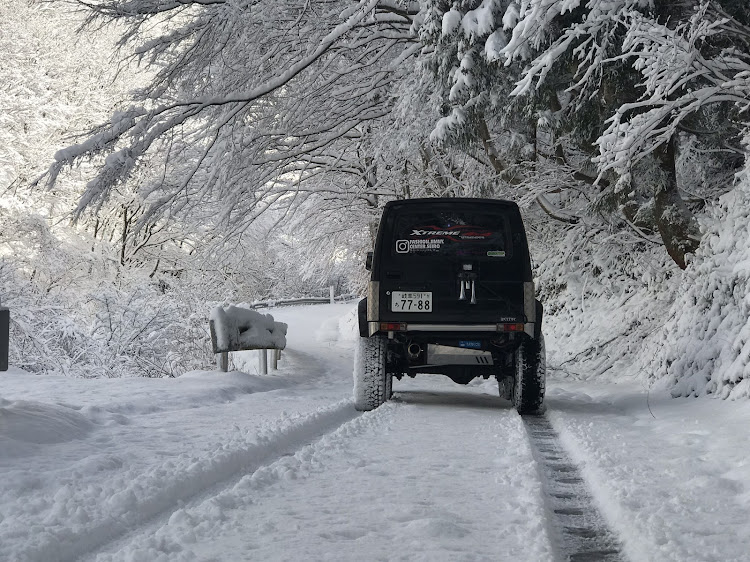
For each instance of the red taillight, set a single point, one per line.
(392, 327)
(512, 327)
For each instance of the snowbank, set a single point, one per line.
(25, 424)
(612, 312)
(705, 345)
(602, 301)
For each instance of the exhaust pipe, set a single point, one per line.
(414, 350)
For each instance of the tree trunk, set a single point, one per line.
(677, 225)
(124, 238)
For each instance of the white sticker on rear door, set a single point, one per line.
(406, 246)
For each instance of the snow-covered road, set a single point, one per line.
(235, 466)
(401, 483)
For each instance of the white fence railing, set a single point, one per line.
(303, 300)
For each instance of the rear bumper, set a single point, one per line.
(531, 308)
(528, 328)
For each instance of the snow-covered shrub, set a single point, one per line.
(36, 272)
(140, 331)
(103, 331)
(704, 347)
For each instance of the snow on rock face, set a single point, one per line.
(243, 328)
(705, 345)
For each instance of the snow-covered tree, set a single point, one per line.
(254, 103)
(704, 346)
(616, 84)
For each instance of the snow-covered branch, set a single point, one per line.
(242, 96)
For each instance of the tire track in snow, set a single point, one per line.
(156, 496)
(163, 537)
(420, 478)
(579, 529)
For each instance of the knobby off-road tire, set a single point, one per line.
(505, 387)
(372, 382)
(531, 376)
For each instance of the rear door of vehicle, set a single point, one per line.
(455, 261)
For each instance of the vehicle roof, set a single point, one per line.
(452, 200)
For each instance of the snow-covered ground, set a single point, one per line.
(235, 466)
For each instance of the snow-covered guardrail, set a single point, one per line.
(304, 300)
(235, 328)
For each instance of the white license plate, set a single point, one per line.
(408, 301)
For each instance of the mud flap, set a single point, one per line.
(538, 320)
(362, 317)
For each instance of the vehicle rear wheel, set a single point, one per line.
(372, 382)
(531, 375)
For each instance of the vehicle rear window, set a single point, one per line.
(451, 233)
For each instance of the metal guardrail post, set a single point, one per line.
(222, 361)
(222, 358)
(4, 337)
(263, 361)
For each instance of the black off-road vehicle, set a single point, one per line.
(451, 293)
